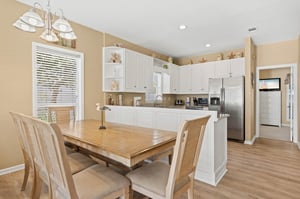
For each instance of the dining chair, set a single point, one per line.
(33, 158)
(60, 114)
(25, 147)
(162, 181)
(96, 181)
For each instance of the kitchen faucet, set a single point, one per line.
(158, 100)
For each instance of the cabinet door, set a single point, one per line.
(145, 73)
(196, 75)
(131, 69)
(185, 73)
(237, 67)
(222, 68)
(207, 71)
(174, 78)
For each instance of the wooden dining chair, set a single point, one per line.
(159, 180)
(96, 181)
(60, 114)
(33, 158)
(25, 147)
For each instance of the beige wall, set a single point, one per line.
(278, 73)
(298, 111)
(281, 53)
(16, 75)
(250, 59)
(278, 53)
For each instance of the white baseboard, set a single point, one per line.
(11, 169)
(251, 142)
(298, 145)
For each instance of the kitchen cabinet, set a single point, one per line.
(145, 73)
(185, 74)
(200, 75)
(194, 78)
(171, 79)
(138, 72)
(129, 72)
(237, 67)
(113, 69)
(230, 68)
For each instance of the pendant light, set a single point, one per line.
(31, 19)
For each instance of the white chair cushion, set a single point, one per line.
(98, 181)
(78, 162)
(153, 177)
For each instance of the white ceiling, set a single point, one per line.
(153, 24)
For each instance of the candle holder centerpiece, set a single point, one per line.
(102, 109)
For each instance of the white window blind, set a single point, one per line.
(57, 79)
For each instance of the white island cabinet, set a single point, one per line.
(213, 157)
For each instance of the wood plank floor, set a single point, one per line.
(267, 169)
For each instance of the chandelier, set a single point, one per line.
(31, 19)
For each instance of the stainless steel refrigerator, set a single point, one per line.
(227, 95)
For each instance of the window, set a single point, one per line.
(156, 95)
(57, 79)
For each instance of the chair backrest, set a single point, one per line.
(53, 150)
(186, 153)
(22, 137)
(61, 114)
(30, 137)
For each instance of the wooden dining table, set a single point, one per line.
(124, 144)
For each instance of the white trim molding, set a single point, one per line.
(11, 169)
(251, 142)
(298, 145)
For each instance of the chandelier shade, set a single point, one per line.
(49, 36)
(24, 26)
(31, 20)
(68, 35)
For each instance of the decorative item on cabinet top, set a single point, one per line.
(115, 58)
(203, 60)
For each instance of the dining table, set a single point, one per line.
(122, 144)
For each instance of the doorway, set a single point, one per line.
(280, 122)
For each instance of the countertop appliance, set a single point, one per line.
(227, 96)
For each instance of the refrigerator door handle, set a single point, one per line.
(222, 100)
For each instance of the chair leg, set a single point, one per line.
(37, 186)
(26, 174)
(126, 193)
(191, 190)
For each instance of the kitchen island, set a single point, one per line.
(212, 162)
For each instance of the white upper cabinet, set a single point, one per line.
(131, 70)
(174, 75)
(126, 70)
(237, 67)
(222, 69)
(145, 73)
(230, 68)
(200, 75)
(113, 69)
(171, 79)
(138, 72)
(185, 74)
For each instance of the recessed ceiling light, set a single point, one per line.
(207, 45)
(182, 27)
(252, 29)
